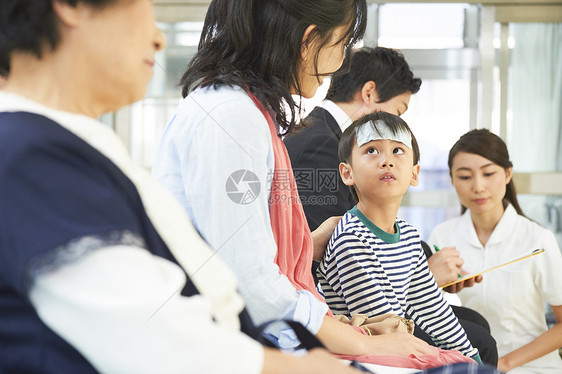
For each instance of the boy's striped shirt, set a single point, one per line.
(366, 270)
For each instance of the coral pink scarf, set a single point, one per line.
(294, 249)
(288, 222)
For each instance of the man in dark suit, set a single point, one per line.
(379, 79)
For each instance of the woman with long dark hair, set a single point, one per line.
(100, 267)
(492, 230)
(223, 158)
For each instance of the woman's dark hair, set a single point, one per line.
(384, 66)
(490, 146)
(256, 45)
(27, 25)
(349, 137)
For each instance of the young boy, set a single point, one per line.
(374, 263)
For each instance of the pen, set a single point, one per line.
(437, 250)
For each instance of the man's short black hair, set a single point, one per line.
(384, 66)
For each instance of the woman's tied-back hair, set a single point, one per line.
(256, 45)
(484, 143)
(349, 137)
(384, 66)
(30, 25)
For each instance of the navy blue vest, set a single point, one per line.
(55, 187)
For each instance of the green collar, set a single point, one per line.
(383, 235)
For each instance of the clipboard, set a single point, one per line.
(520, 257)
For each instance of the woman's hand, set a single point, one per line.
(467, 283)
(340, 338)
(445, 265)
(321, 236)
(398, 344)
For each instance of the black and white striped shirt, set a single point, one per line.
(369, 271)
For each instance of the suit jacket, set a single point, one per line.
(314, 157)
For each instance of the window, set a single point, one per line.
(421, 26)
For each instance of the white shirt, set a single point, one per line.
(338, 113)
(513, 297)
(215, 133)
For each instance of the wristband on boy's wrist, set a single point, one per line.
(477, 358)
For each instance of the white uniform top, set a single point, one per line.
(513, 297)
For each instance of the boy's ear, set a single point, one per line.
(415, 175)
(346, 174)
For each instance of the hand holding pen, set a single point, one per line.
(459, 274)
(446, 266)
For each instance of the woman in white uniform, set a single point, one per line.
(492, 230)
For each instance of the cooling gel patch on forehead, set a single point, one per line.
(379, 130)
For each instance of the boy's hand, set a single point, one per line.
(321, 236)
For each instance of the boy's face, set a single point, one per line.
(380, 169)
